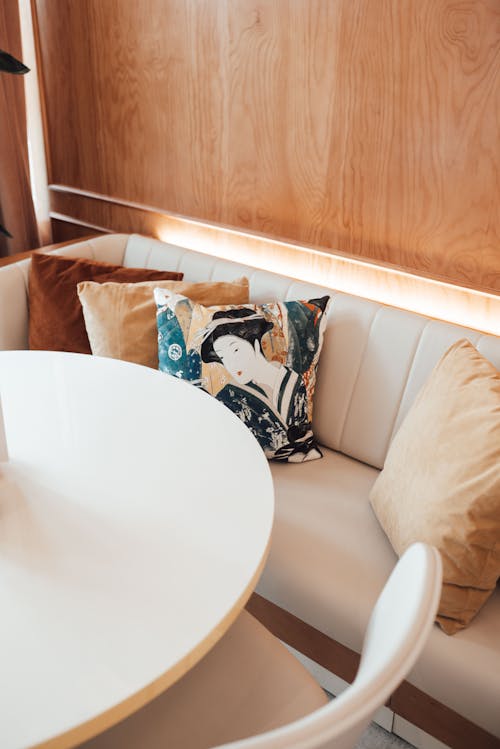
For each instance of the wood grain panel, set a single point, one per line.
(369, 128)
(443, 301)
(66, 231)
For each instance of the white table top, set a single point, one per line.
(135, 517)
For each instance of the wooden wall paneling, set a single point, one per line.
(104, 214)
(144, 121)
(66, 231)
(258, 191)
(385, 284)
(58, 74)
(370, 128)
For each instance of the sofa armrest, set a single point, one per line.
(14, 277)
(14, 297)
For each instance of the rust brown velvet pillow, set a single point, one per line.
(56, 318)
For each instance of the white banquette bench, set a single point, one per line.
(329, 558)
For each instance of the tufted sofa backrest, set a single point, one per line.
(374, 361)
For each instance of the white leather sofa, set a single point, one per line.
(329, 558)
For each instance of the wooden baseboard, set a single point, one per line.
(320, 648)
(407, 701)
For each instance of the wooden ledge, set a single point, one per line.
(9, 259)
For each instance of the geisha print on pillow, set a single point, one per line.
(259, 360)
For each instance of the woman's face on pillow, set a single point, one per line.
(238, 356)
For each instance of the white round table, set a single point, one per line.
(135, 517)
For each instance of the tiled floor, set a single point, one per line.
(376, 738)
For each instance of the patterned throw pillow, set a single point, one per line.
(259, 360)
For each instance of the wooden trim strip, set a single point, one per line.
(410, 703)
(309, 641)
(440, 721)
(70, 220)
(15, 258)
(47, 248)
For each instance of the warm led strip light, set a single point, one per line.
(439, 299)
(445, 301)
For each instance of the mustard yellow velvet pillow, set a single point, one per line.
(441, 480)
(120, 318)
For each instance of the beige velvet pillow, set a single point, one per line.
(441, 480)
(121, 317)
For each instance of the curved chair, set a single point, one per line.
(250, 691)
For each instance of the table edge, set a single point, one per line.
(99, 723)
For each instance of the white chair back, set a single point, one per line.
(398, 629)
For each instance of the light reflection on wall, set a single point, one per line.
(444, 301)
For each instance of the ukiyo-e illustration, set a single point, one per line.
(260, 361)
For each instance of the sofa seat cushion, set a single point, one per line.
(330, 559)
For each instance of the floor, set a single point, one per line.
(376, 738)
